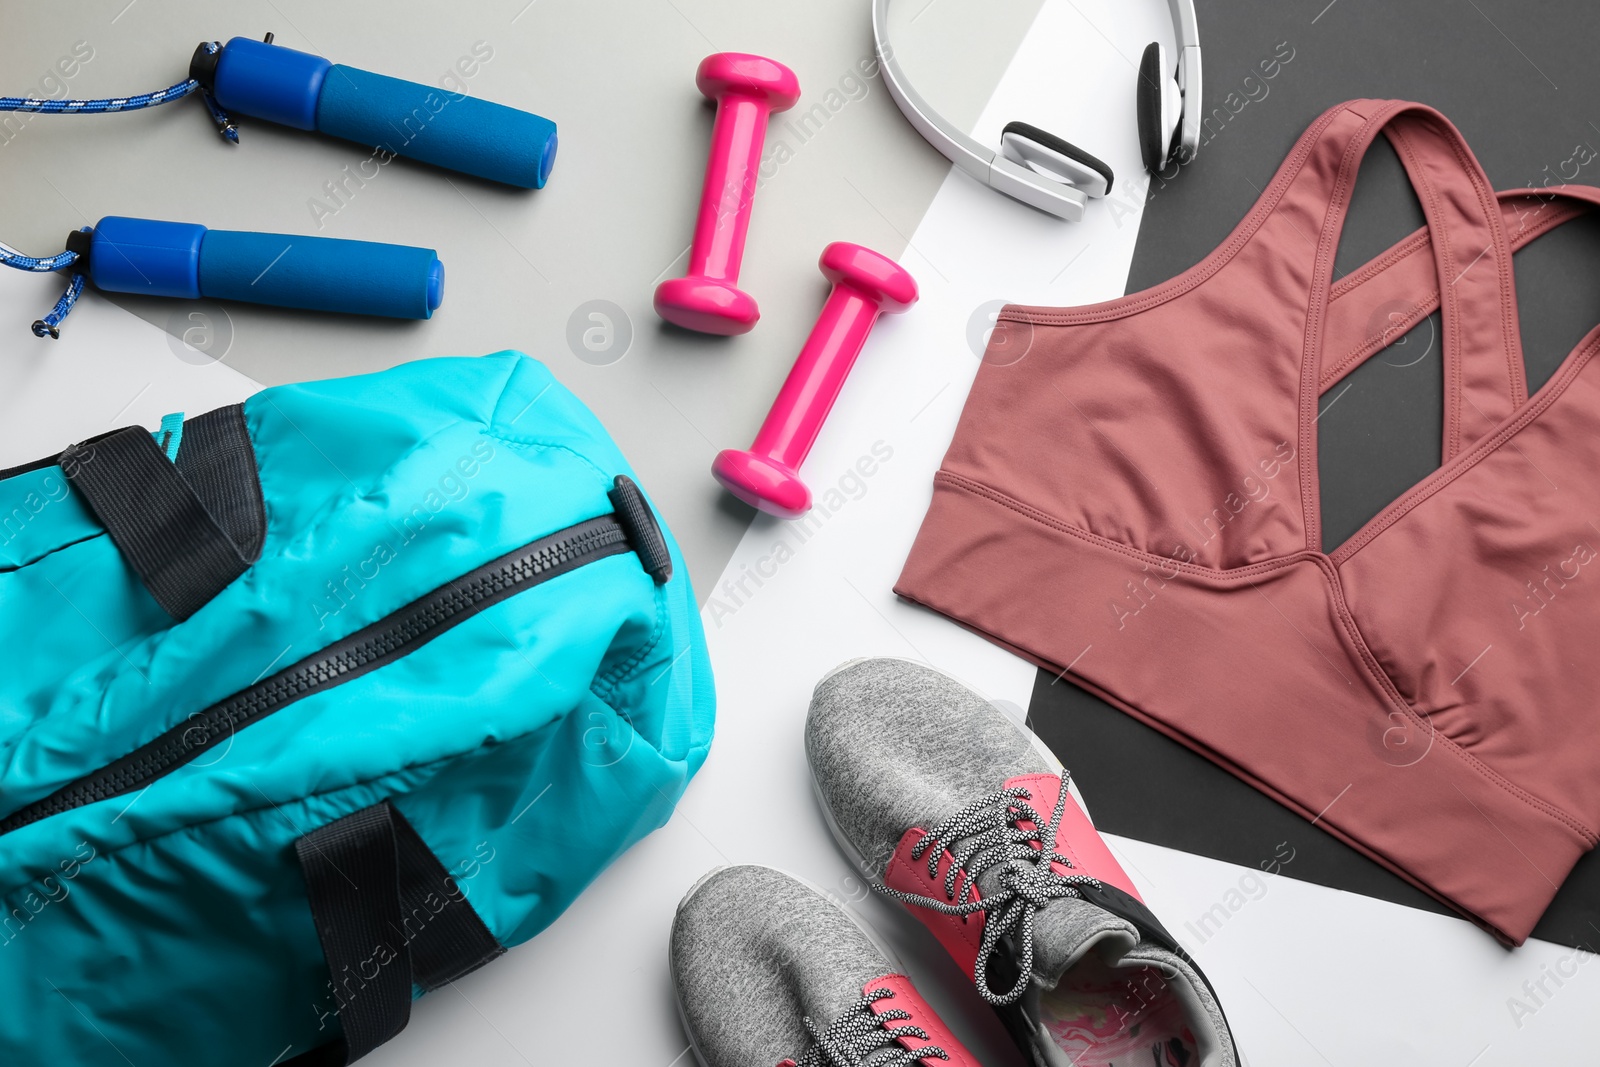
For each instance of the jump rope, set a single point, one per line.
(262, 80)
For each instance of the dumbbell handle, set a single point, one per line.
(432, 124)
(818, 376)
(181, 259)
(737, 136)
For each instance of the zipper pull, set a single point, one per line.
(638, 523)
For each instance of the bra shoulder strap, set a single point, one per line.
(1471, 255)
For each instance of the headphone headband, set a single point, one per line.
(1185, 28)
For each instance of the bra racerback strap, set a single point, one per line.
(1377, 303)
(1483, 374)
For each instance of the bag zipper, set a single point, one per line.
(368, 649)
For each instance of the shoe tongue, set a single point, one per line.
(1066, 930)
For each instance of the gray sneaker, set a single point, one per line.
(943, 802)
(768, 971)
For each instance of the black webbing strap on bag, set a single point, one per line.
(388, 915)
(187, 527)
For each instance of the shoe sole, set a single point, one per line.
(872, 935)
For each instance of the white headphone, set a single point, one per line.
(1039, 168)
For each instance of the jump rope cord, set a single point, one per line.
(99, 107)
(49, 326)
(16, 260)
(225, 125)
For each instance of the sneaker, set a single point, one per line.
(768, 971)
(942, 801)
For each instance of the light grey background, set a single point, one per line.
(618, 78)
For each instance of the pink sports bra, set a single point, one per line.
(1131, 500)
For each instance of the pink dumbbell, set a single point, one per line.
(865, 285)
(747, 90)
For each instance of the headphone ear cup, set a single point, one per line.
(1159, 103)
(1045, 153)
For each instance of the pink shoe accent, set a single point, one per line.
(960, 935)
(1076, 837)
(906, 998)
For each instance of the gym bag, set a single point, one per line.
(318, 702)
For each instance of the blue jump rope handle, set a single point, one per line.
(434, 125)
(180, 259)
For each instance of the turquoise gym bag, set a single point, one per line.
(319, 702)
